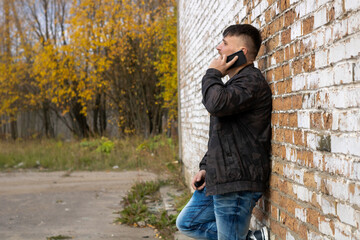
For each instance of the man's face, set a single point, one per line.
(229, 45)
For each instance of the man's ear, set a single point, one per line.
(245, 51)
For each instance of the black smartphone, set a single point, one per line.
(199, 183)
(240, 61)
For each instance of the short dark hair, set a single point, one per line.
(248, 31)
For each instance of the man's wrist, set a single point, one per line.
(214, 71)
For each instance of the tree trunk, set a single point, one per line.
(49, 130)
(82, 127)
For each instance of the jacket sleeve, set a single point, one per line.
(223, 100)
(202, 164)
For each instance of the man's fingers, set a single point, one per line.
(233, 60)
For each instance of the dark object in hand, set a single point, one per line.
(240, 61)
(199, 183)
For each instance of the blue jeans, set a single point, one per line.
(222, 217)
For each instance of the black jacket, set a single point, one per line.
(238, 156)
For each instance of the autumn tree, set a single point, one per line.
(81, 60)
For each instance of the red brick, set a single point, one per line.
(278, 73)
(298, 138)
(307, 25)
(286, 71)
(286, 36)
(296, 101)
(309, 180)
(290, 16)
(272, 43)
(296, 66)
(278, 229)
(284, 4)
(279, 56)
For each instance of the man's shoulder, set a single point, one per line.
(250, 75)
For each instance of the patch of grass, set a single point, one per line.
(137, 213)
(182, 200)
(156, 154)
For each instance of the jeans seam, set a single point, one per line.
(202, 228)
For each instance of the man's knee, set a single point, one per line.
(181, 224)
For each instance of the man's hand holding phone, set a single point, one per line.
(225, 63)
(198, 182)
(220, 64)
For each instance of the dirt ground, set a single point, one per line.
(81, 205)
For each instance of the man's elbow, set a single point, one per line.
(214, 110)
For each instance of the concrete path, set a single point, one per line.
(39, 205)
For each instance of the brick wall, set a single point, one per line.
(310, 57)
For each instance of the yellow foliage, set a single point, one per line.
(137, 37)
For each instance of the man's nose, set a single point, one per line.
(218, 47)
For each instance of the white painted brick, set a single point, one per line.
(346, 214)
(299, 82)
(296, 175)
(326, 77)
(302, 193)
(316, 236)
(303, 118)
(301, 9)
(321, 58)
(352, 46)
(319, 39)
(319, 17)
(318, 160)
(347, 120)
(357, 72)
(342, 231)
(301, 214)
(328, 35)
(296, 30)
(313, 80)
(308, 101)
(337, 188)
(355, 173)
(356, 234)
(338, 6)
(291, 154)
(344, 98)
(312, 141)
(256, 11)
(337, 165)
(346, 144)
(355, 197)
(336, 53)
(343, 73)
(289, 236)
(308, 43)
(327, 206)
(353, 23)
(325, 227)
(340, 29)
(264, 5)
(310, 6)
(351, 5)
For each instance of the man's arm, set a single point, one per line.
(202, 165)
(221, 100)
